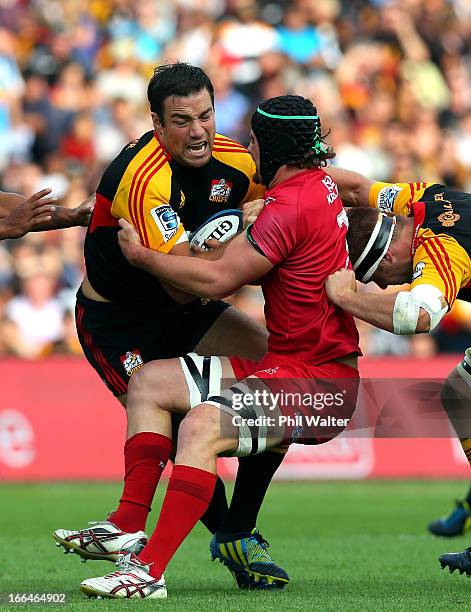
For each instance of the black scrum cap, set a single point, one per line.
(286, 127)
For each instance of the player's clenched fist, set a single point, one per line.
(339, 284)
(251, 211)
(129, 241)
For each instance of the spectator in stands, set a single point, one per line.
(392, 77)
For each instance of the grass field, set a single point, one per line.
(347, 546)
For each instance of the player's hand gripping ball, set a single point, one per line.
(221, 227)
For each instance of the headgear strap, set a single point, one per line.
(375, 249)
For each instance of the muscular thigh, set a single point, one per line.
(234, 333)
(165, 381)
(163, 387)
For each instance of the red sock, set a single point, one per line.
(145, 457)
(188, 495)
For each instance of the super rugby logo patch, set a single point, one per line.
(418, 270)
(166, 220)
(132, 361)
(386, 198)
(220, 191)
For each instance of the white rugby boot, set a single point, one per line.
(101, 541)
(131, 581)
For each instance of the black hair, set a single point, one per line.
(177, 79)
(311, 159)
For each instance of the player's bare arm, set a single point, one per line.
(378, 309)
(59, 217)
(239, 265)
(71, 217)
(353, 187)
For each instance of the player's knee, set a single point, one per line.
(144, 390)
(200, 427)
(136, 386)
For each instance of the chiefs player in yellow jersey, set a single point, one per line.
(167, 182)
(416, 233)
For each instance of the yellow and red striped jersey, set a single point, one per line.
(441, 247)
(162, 199)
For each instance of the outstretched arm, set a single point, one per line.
(239, 265)
(59, 217)
(354, 188)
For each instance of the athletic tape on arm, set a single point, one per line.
(407, 307)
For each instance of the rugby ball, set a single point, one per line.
(222, 226)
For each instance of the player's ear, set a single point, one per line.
(156, 123)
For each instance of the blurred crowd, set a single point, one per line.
(391, 79)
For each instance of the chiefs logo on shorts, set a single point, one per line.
(132, 362)
(220, 191)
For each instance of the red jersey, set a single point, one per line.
(302, 231)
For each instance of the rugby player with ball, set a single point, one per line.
(298, 239)
(169, 181)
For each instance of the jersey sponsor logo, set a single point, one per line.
(269, 199)
(132, 361)
(386, 198)
(449, 217)
(132, 144)
(332, 188)
(220, 191)
(166, 220)
(418, 270)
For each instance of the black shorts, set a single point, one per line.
(117, 340)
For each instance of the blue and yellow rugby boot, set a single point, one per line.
(249, 562)
(456, 524)
(457, 561)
